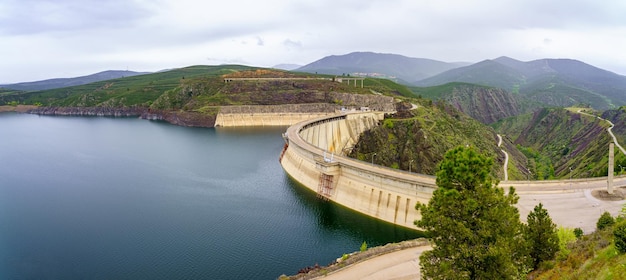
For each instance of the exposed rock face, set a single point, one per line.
(486, 105)
(181, 118)
(89, 111)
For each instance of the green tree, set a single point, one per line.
(542, 236)
(605, 220)
(475, 228)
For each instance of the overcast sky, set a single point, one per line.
(42, 39)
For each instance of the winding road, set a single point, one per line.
(610, 130)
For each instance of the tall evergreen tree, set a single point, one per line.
(542, 236)
(475, 228)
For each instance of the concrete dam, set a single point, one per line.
(314, 155)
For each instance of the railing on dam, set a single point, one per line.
(321, 121)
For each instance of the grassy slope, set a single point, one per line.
(591, 257)
(129, 91)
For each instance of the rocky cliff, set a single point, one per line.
(418, 141)
(487, 105)
(182, 118)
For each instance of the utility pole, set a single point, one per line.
(609, 184)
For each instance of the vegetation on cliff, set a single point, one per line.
(560, 143)
(593, 256)
(417, 139)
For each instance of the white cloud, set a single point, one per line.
(46, 38)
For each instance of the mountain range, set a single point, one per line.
(68, 82)
(396, 67)
(552, 82)
(547, 82)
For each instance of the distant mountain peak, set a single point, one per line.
(405, 69)
(67, 82)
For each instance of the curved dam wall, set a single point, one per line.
(272, 115)
(313, 157)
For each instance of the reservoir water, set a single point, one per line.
(106, 198)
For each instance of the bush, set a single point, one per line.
(566, 236)
(606, 220)
(619, 234)
(578, 232)
(364, 246)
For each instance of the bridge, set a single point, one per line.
(314, 155)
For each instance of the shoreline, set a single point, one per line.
(18, 108)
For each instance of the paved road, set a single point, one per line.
(399, 265)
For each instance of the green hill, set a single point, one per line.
(193, 95)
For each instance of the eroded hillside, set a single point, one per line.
(483, 103)
(418, 139)
(561, 143)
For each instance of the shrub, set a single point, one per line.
(606, 220)
(619, 234)
(566, 236)
(364, 246)
(388, 123)
(578, 232)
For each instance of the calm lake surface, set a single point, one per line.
(105, 198)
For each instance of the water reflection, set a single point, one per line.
(334, 217)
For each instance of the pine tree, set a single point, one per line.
(542, 236)
(473, 224)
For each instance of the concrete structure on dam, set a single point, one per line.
(314, 155)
